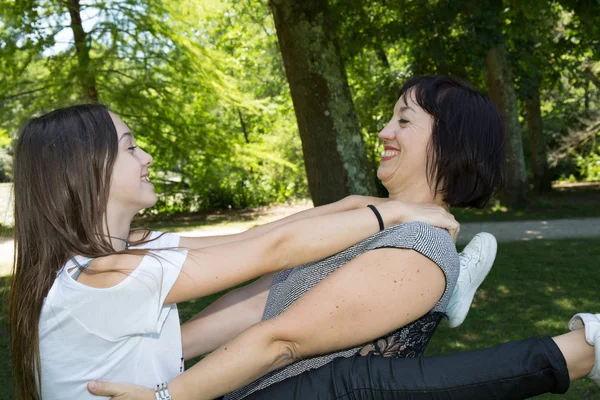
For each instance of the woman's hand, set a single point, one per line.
(120, 391)
(431, 214)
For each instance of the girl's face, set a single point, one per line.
(130, 188)
(405, 139)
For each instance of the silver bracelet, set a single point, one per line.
(162, 392)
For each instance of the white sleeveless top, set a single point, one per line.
(123, 333)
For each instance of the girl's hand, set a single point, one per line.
(431, 214)
(120, 391)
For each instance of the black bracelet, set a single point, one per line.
(379, 219)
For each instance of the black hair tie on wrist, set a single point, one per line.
(379, 219)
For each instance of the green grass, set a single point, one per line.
(533, 290)
(564, 202)
(6, 231)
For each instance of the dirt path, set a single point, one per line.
(504, 231)
(514, 231)
(6, 255)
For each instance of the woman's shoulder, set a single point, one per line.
(416, 233)
(425, 234)
(432, 242)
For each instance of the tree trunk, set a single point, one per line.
(593, 78)
(383, 57)
(334, 152)
(502, 92)
(87, 78)
(542, 182)
(243, 124)
(586, 96)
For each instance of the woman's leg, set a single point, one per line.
(514, 370)
(578, 354)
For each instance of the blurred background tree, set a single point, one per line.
(200, 84)
(205, 86)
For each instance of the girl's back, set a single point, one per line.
(123, 332)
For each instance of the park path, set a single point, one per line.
(514, 231)
(510, 231)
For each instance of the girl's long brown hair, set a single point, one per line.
(62, 171)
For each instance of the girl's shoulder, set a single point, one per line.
(145, 239)
(109, 271)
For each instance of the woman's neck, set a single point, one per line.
(418, 195)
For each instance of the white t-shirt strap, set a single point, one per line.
(80, 267)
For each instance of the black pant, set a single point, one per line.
(514, 370)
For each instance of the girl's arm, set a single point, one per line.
(226, 318)
(212, 269)
(346, 204)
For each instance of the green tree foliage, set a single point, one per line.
(202, 83)
(455, 38)
(200, 86)
(548, 46)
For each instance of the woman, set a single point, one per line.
(349, 305)
(80, 291)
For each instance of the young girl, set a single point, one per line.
(88, 299)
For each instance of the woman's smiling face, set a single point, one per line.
(406, 140)
(130, 188)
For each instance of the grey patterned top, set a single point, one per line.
(434, 243)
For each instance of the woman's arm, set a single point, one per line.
(346, 204)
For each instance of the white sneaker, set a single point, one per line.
(591, 323)
(476, 261)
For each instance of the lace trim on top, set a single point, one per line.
(407, 342)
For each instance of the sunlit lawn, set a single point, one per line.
(534, 288)
(577, 201)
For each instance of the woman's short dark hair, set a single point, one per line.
(466, 151)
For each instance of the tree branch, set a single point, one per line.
(117, 72)
(14, 96)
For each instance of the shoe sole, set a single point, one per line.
(489, 246)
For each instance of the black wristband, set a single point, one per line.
(379, 219)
